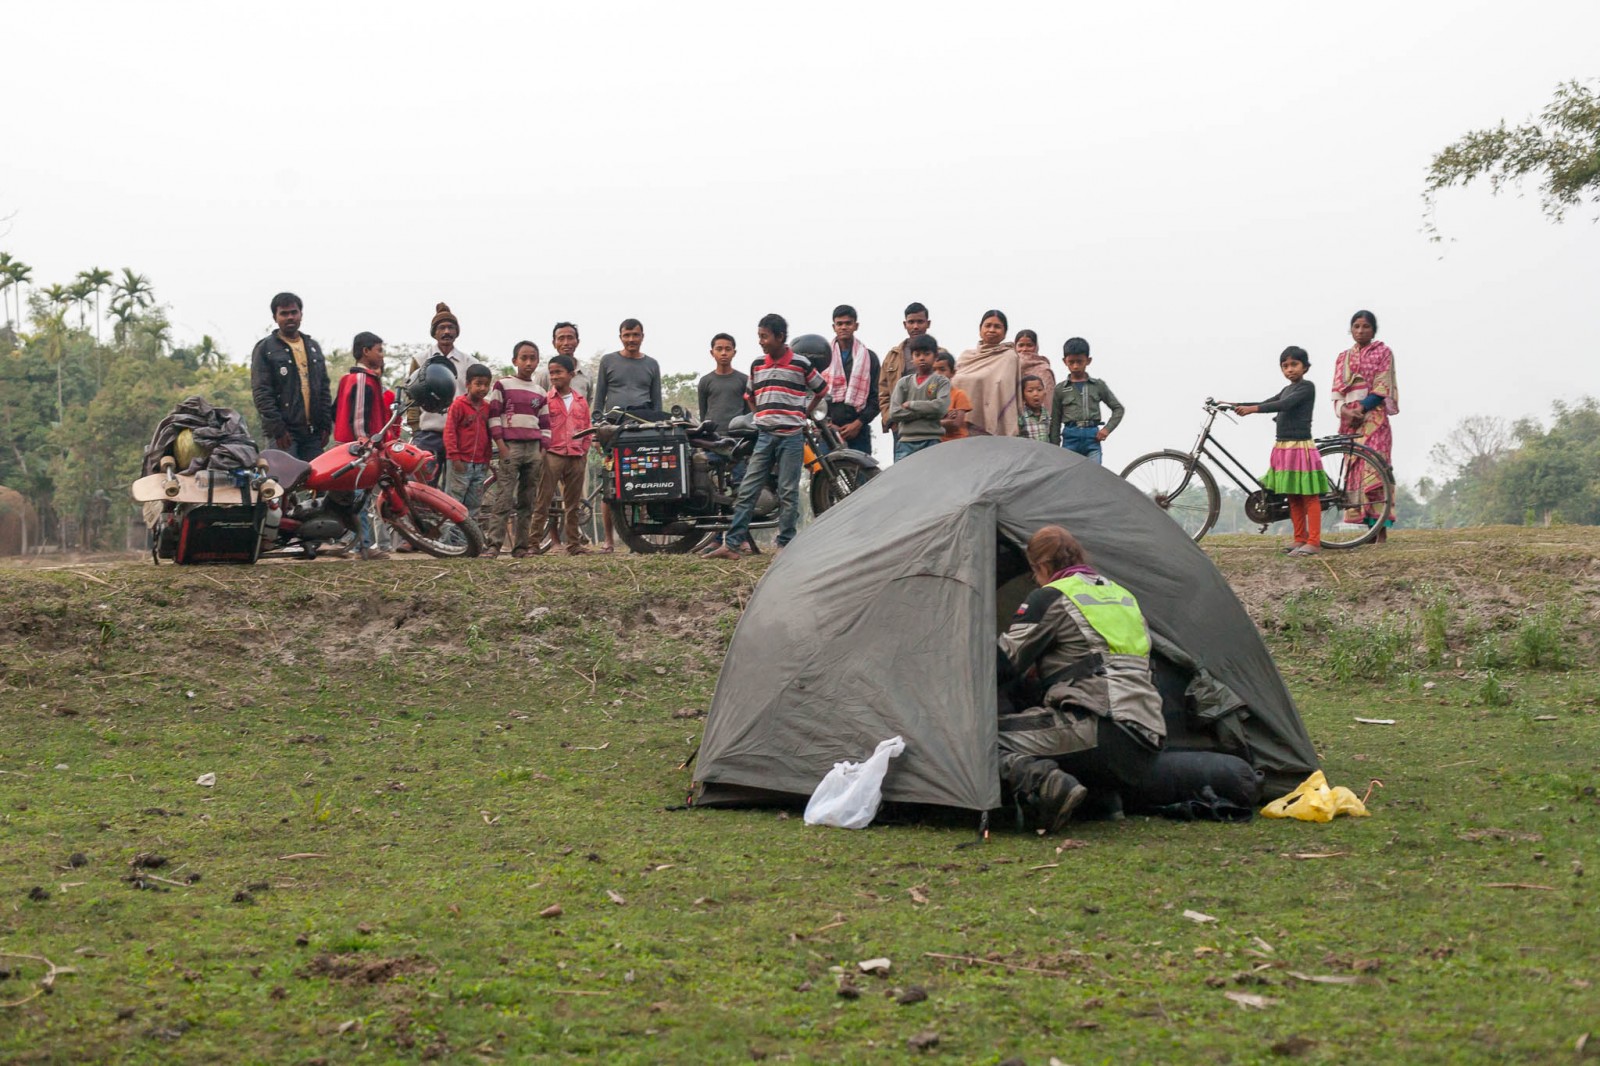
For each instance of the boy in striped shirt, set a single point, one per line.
(519, 425)
(784, 387)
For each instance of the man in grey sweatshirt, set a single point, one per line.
(628, 379)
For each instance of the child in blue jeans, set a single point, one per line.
(1075, 409)
(785, 387)
(919, 401)
(467, 442)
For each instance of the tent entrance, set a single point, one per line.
(1201, 713)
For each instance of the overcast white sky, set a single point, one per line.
(1190, 186)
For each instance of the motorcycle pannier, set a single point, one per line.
(220, 534)
(650, 464)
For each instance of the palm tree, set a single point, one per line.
(59, 296)
(20, 273)
(133, 289)
(6, 261)
(54, 331)
(125, 314)
(207, 352)
(158, 330)
(100, 278)
(81, 292)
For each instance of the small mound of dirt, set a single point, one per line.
(363, 970)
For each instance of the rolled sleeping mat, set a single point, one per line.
(1180, 776)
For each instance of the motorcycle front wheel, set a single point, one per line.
(673, 539)
(828, 491)
(434, 533)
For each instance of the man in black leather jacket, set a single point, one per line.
(289, 381)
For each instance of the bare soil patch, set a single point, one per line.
(364, 970)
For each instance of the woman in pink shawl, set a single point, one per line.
(1366, 397)
(991, 376)
(1027, 344)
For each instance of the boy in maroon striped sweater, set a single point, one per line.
(519, 423)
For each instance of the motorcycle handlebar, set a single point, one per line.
(360, 450)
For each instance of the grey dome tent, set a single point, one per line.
(880, 619)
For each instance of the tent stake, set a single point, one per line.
(983, 832)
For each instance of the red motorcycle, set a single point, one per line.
(284, 505)
(322, 500)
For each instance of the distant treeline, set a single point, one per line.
(1499, 472)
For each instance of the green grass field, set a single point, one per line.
(440, 830)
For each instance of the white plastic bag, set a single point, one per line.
(849, 796)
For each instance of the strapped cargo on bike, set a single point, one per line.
(203, 499)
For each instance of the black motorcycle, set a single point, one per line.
(669, 481)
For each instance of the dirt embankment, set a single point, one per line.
(287, 613)
(1484, 578)
(112, 616)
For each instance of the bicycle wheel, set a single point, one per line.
(1359, 480)
(1181, 486)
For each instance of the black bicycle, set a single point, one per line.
(1184, 487)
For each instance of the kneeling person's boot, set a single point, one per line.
(1047, 792)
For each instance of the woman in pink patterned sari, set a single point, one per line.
(1366, 397)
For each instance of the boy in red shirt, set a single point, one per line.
(361, 410)
(466, 440)
(565, 456)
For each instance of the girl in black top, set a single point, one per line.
(1295, 469)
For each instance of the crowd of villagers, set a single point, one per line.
(519, 434)
(1075, 657)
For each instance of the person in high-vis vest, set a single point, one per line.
(1077, 657)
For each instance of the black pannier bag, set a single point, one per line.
(649, 464)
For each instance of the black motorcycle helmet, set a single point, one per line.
(433, 387)
(812, 346)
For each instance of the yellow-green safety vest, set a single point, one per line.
(1110, 610)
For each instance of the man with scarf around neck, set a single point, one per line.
(897, 361)
(852, 382)
(785, 388)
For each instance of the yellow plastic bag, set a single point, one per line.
(1314, 801)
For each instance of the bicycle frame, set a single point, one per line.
(1227, 462)
(1261, 504)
